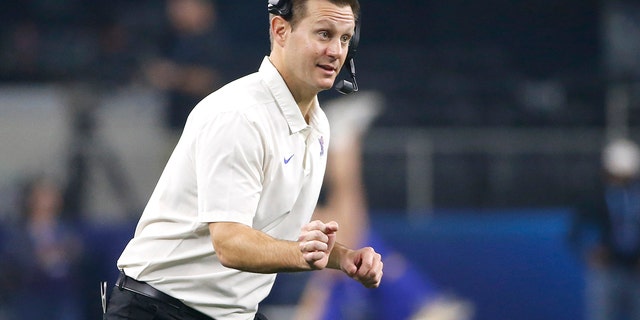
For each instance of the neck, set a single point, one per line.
(304, 98)
(305, 106)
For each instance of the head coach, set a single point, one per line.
(233, 205)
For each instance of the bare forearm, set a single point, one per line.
(243, 248)
(364, 264)
(339, 250)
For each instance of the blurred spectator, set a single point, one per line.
(21, 46)
(116, 60)
(41, 255)
(192, 58)
(607, 232)
(404, 293)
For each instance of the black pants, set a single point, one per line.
(126, 305)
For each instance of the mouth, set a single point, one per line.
(328, 68)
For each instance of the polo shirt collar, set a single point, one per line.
(284, 99)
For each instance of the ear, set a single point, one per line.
(279, 30)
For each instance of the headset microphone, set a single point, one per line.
(344, 86)
(347, 87)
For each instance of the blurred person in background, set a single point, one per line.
(606, 232)
(190, 65)
(42, 257)
(406, 293)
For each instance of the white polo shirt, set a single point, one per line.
(246, 155)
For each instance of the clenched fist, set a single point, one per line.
(316, 241)
(364, 265)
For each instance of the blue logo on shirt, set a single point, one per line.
(286, 160)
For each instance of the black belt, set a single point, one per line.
(130, 284)
(127, 283)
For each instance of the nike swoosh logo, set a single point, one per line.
(286, 160)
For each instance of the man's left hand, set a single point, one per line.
(364, 265)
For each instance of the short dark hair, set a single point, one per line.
(299, 9)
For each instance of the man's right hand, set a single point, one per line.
(316, 241)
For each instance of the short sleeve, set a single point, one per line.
(229, 155)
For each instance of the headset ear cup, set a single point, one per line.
(280, 8)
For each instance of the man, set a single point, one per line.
(232, 206)
(192, 58)
(407, 293)
(606, 232)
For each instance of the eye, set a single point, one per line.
(345, 38)
(323, 34)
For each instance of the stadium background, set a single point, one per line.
(496, 113)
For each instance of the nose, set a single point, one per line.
(335, 49)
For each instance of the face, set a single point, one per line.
(317, 46)
(190, 15)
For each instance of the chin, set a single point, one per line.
(326, 85)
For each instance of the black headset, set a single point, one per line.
(283, 8)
